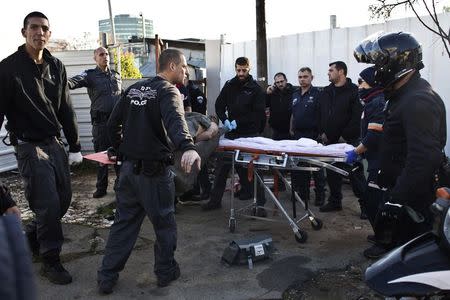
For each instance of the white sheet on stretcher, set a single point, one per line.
(302, 146)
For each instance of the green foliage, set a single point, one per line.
(128, 69)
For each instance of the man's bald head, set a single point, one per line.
(101, 57)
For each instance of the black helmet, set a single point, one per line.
(393, 54)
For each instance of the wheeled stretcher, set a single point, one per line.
(301, 158)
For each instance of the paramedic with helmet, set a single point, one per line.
(414, 133)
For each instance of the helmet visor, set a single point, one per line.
(369, 50)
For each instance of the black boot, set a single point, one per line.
(99, 194)
(163, 281)
(332, 205)
(53, 270)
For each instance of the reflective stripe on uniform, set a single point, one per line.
(375, 126)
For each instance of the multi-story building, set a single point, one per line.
(126, 27)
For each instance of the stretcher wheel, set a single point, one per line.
(301, 237)
(316, 224)
(232, 225)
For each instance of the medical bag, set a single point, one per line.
(247, 251)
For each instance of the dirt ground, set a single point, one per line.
(343, 234)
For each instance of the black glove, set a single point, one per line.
(392, 211)
(112, 154)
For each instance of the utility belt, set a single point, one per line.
(14, 140)
(99, 117)
(150, 168)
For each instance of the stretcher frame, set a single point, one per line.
(257, 160)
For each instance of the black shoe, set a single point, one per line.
(211, 205)
(98, 194)
(105, 286)
(164, 281)
(186, 197)
(261, 212)
(56, 273)
(192, 199)
(371, 238)
(330, 206)
(375, 251)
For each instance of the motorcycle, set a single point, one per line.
(421, 267)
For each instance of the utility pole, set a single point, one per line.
(113, 32)
(143, 33)
(261, 43)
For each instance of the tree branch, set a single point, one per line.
(385, 8)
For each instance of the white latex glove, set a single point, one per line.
(188, 159)
(75, 158)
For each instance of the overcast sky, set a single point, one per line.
(190, 18)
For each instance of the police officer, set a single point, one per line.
(104, 87)
(35, 100)
(304, 125)
(279, 103)
(138, 126)
(196, 96)
(241, 108)
(414, 132)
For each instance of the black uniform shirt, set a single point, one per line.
(414, 134)
(148, 111)
(104, 89)
(244, 102)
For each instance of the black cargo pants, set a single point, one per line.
(138, 195)
(45, 172)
